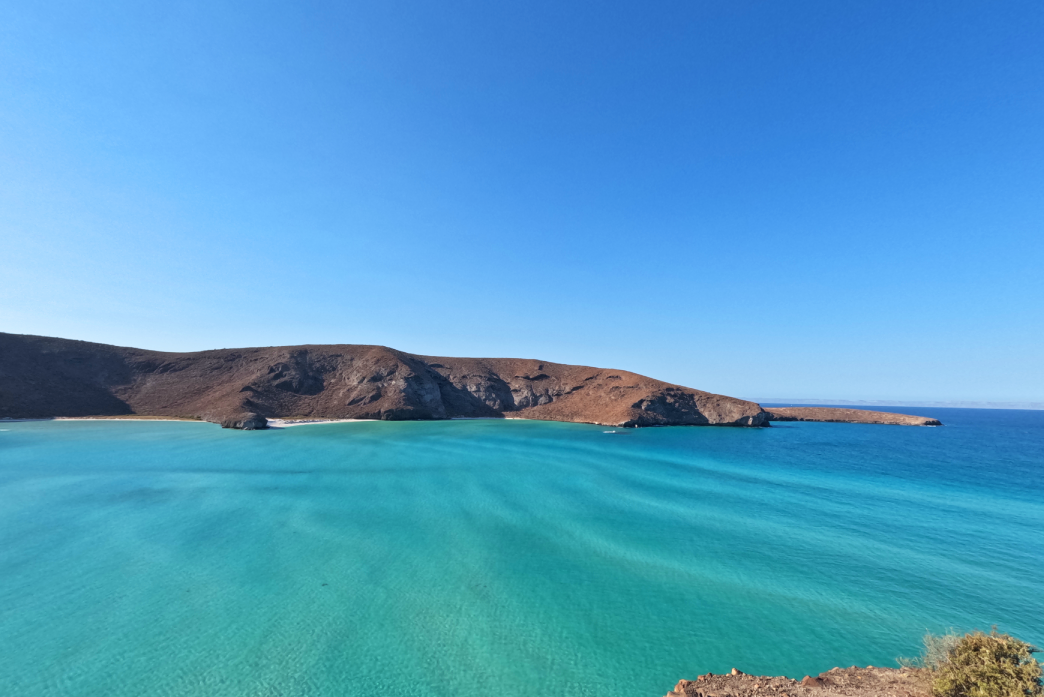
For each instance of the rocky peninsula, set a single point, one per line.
(849, 416)
(44, 377)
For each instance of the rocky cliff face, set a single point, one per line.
(240, 388)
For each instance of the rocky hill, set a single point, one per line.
(241, 388)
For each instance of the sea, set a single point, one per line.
(478, 557)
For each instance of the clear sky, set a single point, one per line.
(765, 199)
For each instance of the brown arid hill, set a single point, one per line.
(43, 377)
(848, 416)
(838, 682)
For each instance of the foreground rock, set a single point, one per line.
(241, 388)
(850, 682)
(848, 416)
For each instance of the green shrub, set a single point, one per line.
(980, 665)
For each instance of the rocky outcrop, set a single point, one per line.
(245, 422)
(241, 388)
(846, 682)
(848, 416)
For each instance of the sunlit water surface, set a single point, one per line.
(471, 558)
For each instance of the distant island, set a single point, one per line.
(44, 377)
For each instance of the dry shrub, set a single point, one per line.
(980, 665)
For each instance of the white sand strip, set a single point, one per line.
(287, 423)
(102, 418)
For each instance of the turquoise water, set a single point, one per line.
(510, 557)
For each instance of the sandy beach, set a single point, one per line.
(287, 423)
(105, 418)
(272, 423)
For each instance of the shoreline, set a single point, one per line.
(274, 423)
(105, 418)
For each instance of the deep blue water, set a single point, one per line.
(512, 557)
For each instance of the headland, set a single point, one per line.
(46, 377)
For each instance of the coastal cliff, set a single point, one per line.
(44, 377)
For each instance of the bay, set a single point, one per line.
(522, 557)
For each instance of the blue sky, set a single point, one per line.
(802, 199)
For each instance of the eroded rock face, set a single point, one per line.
(241, 387)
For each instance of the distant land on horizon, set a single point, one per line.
(960, 404)
(46, 377)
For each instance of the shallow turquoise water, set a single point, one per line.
(522, 558)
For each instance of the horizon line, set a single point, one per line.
(940, 404)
